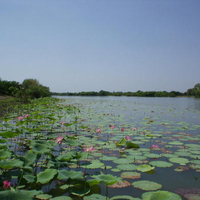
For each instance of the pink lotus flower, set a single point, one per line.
(155, 146)
(89, 149)
(6, 185)
(20, 118)
(74, 106)
(127, 137)
(98, 130)
(122, 129)
(135, 129)
(59, 140)
(112, 127)
(63, 123)
(26, 116)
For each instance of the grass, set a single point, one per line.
(6, 102)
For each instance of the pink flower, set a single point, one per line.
(155, 146)
(122, 129)
(127, 137)
(20, 118)
(59, 140)
(112, 127)
(135, 129)
(98, 130)
(63, 123)
(89, 149)
(74, 106)
(6, 185)
(26, 116)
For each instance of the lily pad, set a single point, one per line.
(75, 175)
(130, 175)
(146, 185)
(46, 176)
(181, 161)
(144, 168)
(95, 197)
(161, 164)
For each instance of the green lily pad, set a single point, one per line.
(130, 175)
(46, 176)
(108, 179)
(43, 196)
(75, 175)
(146, 185)
(61, 198)
(144, 168)
(158, 195)
(9, 164)
(124, 197)
(181, 161)
(95, 197)
(126, 167)
(161, 164)
(5, 154)
(29, 178)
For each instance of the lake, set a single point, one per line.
(171, 123)
(86, 148)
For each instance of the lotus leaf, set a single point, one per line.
(61, 198)
(146, 185)
(181, 161)
(29, 178)
(126, 167)
(108, 179)
(5, 154)
(144, 168)
(124, 197)
(43, 196)
(161, 164)
(95, 197)
(9, 164)
(131, 175)
(46, 176)
(158, 195)
(80, 189)
(64, 174)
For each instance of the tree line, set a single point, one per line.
(28, 89)
(31, 88)
(195, 92)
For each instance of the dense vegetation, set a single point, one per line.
(190, 92)
(28, 89)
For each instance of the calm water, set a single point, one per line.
(153, 116)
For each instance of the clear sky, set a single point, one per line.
(93, 45)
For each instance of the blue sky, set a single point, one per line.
(93, 45)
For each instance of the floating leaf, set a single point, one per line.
(5, 154)
(61, 198)
(9, 164)
(29, 178)
(181, 161)
(124, 197)
(161, 164)
(131, 175)
(146, 185)
(108, 179)
(144, 168)
(46, 176)
(126, 167)
(64, 174)
(43, 196)
(95, 196)
(158, 195)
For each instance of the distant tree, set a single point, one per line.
(31, 88)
